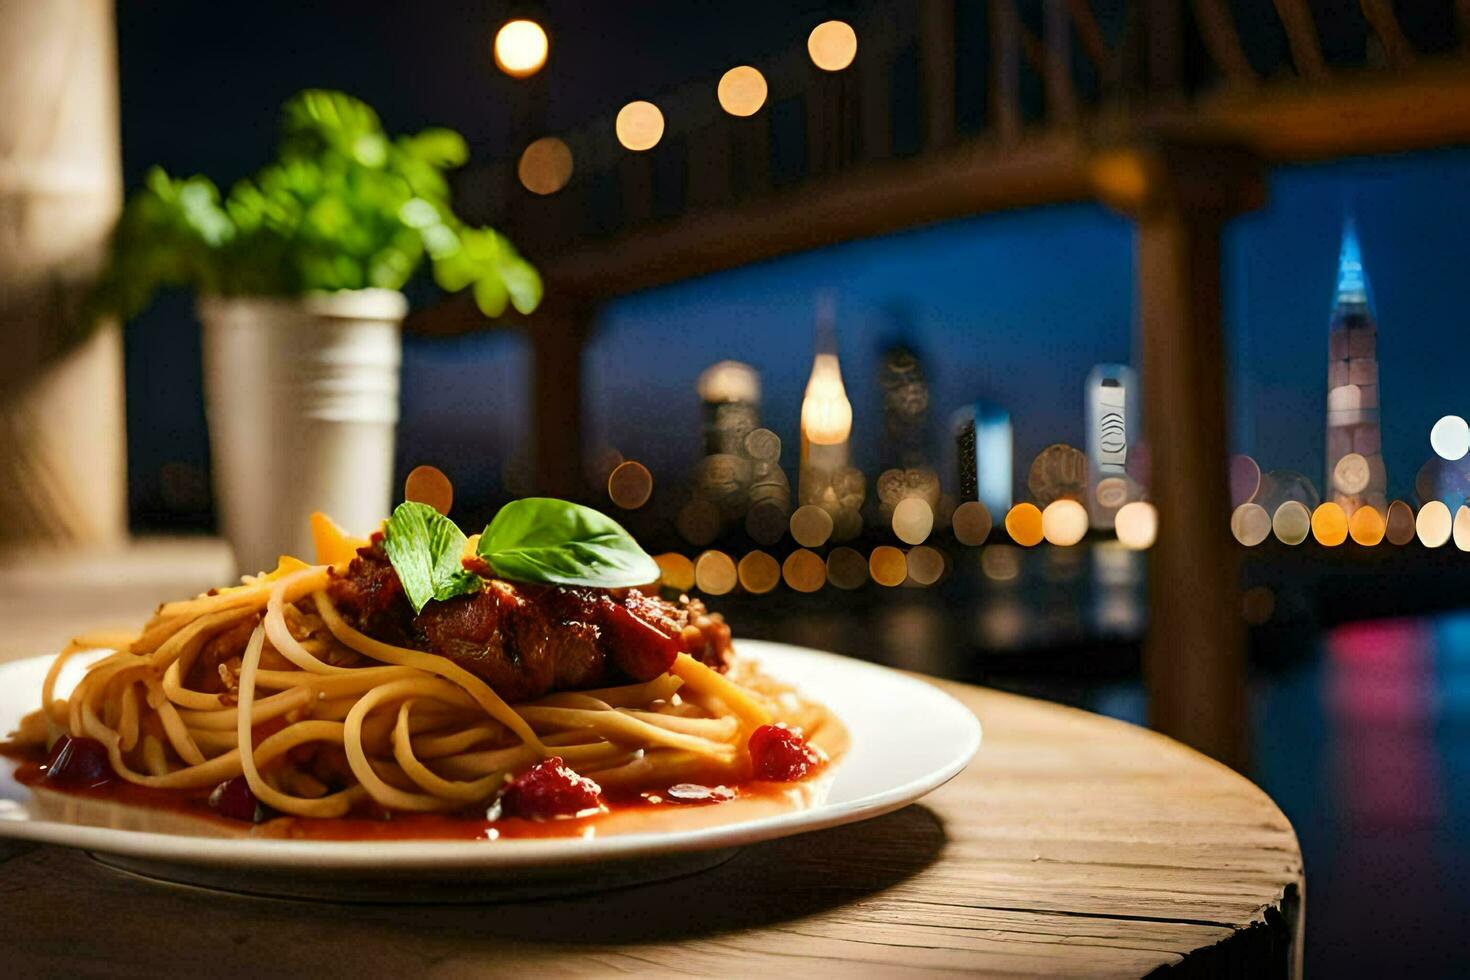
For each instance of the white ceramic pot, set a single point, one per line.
(302, 399)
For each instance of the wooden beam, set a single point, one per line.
(1061, 96)
(1370, 112)
(1005, 71)
(936, 64)
(1194, 653)
(1217, 30)
(1301, 34)
(1385, 24)
(1090, 35)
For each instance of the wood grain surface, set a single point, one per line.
(1073, 846)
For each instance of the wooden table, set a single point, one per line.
(1074, 845)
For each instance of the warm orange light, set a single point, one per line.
(429, 485)
(759, 573)
(675, 571)
(1366, 526)
(1329, 524)
(1137, 525)
(545, 166)
(804, 571)
(1434, 524)
(520, 48)
(826, 414)
(913, 519)
(1023, 524)
(714, 573)
(1064, 522)
(832, 45)
(925, 565)
(630, 485)
(811, 526)
(742, 91)
(888, 565)
(640, 125)
(1462, 528)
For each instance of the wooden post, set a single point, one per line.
(1194, 655)
(936, 63)
(62, 459)
(558, 332)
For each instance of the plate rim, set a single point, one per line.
(472, 855)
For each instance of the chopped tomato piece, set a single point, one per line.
(782, 755)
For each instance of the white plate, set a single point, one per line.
(908, 738)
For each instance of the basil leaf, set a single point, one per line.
(538, 539)
(425, 548)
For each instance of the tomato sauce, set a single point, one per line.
(684, 806)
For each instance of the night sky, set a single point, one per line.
(1014, 308)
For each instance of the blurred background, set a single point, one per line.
(818, 330)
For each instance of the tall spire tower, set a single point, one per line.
(1355, 471)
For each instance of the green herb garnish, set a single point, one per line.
(540, 539)
(426, 548)
(537, 539)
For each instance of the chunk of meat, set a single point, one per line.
(529, 640)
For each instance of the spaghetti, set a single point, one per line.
(322, 720)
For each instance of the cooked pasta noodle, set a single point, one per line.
(320, 719)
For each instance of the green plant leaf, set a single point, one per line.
(540, 539)
(425, 548)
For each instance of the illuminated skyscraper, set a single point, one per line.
(1355, 472)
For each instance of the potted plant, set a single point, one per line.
(298, 272)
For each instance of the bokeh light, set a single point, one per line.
(1250, 524)
(630, 485)
(758, 573)
(1137, 525)
(545, 166)
(520, 48)
(832, 45)
(1329, 525)
(1367, 526)
(1434, 524)
(1292, 522)
(742, 91)
(1400, 530)
(913, 520)
(1450, 438)
(804, 571)
(640, 125)
(888, 566)
(1023, 524)
(1064, 522)
(429, 485)
(847, 568)
(926, 565)
(971, 523)
(811, 526)
(1462, 528)
(714, 573)
(675, 571)
(1001, 562)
